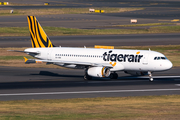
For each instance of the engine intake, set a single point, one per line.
(99, 71)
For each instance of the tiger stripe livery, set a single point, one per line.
(39, 39)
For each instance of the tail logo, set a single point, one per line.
(38, 36)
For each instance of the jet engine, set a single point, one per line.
(136, 73)
(98, 71)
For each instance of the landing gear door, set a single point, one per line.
(145, 59)
(49, 54)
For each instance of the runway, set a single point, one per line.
(92, 3)
(96, 20)
(90, 41)
(153, 12)
(46, 83)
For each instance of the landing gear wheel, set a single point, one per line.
(113, 76)
(87, 77)
(151, 79)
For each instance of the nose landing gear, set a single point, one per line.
(150, 76)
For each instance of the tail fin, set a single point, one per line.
(38, 36)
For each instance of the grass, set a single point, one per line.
(126, 108)
(15, 59)
(64, 11)
(59, 31)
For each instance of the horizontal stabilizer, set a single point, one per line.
(34, 53)
(29, 61)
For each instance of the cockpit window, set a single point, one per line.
(163, 58)
(160, 58)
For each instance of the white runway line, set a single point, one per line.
(107, 81)
(86, 92)
(156, 77)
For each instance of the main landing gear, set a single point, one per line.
(86, 76)
(113, 75)
(150, 76)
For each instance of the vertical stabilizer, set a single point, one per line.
(38, 36)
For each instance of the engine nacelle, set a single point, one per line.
(98, 71)
(136, 73)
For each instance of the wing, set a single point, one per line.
(28, 61)
(83, 63)
(68, 62)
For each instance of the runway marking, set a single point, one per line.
(108, 81)
(88, 92)
(157, 77)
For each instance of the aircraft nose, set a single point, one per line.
(168, 65)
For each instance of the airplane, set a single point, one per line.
(101, 61)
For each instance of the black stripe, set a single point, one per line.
(43, 41)
(36, 24)
(31, 24)
(32, 41)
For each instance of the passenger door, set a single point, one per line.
(49, 55)
(145, 59)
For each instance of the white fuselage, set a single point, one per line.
(120, 59)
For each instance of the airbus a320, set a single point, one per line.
(96, 62)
